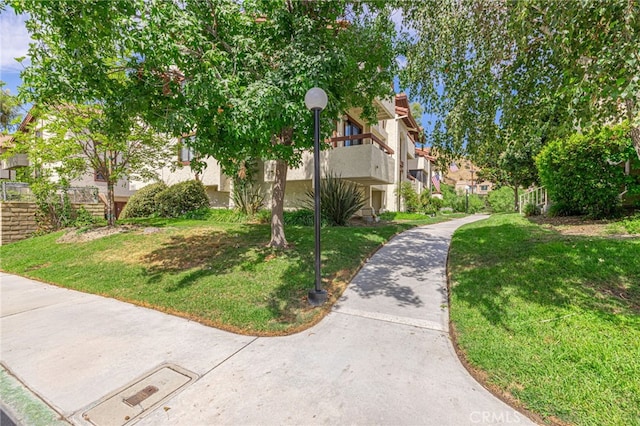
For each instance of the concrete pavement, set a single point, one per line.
(382, 356)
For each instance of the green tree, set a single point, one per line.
(76, 140)
(235, 73)
(488, 66)
(9, 109)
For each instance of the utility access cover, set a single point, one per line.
(143, 395)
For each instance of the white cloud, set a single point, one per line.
(14, 40)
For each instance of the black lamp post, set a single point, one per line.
(316, 101)
(466, 208)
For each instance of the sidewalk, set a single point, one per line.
(382, 356)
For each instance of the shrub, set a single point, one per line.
(531, 209)
(53, 209)
(83, 218)
(430, 205)
(300, 217)
(248, 197)
(476, 203)
(143, 202)
(582, 173)
(450, 199)
(181, 198)
(502, 200)
(409, 197)
(339, 199)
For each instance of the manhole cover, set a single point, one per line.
(143, 395)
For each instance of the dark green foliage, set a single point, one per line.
(531, 209)
(339, 199)
(584, 174)
(300, 217)
(142, 203)
(181, 198)
(502, 200)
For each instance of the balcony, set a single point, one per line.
(15, 161)
(362, 139)
(370, 163)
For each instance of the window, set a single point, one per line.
(351, 128)
(484, 187)
(186, 153)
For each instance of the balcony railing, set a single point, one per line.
(15, 161)
(362, 138)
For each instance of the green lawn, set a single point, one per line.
(221, 274)
(553, 320)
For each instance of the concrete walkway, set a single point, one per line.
(381, 357)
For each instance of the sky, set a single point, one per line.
(15, 39)
(14, 42)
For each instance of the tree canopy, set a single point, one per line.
(505, 66)
(9, 109)
(234, 72)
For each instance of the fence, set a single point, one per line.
(536, 196)
(20, 191)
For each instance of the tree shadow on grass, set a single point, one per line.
(196, 256)
(494, 264)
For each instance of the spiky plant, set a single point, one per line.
(339, 199)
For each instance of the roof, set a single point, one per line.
(403, 110)
(425, 152)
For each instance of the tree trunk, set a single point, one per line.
(635, 130)
(516, 201)
(277, 206)
(111, 204)
(277, 194)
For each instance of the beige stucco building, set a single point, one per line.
(378, 156)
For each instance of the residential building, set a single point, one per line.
(463, 176)
(91, 178)
(379, 157)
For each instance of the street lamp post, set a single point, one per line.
(316, 101)
(466, 208)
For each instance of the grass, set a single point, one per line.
(551, 320)
(630, 225)
(221, 274)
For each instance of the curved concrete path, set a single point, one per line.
(381, 357)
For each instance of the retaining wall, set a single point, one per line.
(18, 219)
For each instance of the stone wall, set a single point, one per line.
(18, 219)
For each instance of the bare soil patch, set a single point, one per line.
(576, 225)
(81, 236)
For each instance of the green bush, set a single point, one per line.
(300, 217)
(248, 197)
(502, 200)
(181, 198)
(583, 175)
(339, 199)
(83, 218)
(409, 197)
(430, 205)
(476, 203)
(450, 199)
(531, 209)
(143, 203)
